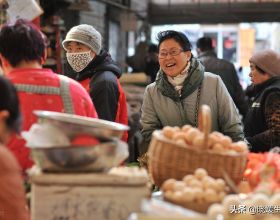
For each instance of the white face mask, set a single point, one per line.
(79, 61)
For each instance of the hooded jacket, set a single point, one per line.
(163, 106)
(101, 79)
(227, 72)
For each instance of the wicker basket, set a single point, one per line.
(170, 160)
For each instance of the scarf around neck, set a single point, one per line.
(178, 80)
(192, 81)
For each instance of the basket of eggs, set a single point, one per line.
(195, 191)
(175, 152)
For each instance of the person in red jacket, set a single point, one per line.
(12, 197)
(22, 53)
(97, 72)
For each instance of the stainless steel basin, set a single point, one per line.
(97, 158)
(73, 125)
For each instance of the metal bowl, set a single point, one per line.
(97, 158)
(74, 124)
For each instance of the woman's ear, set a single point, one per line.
(4, 131)
(93, 54)
(5, 65)
(44, 57)
(4, 114)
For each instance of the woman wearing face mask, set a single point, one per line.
(181, 87)
(12, 197)
(97, 72)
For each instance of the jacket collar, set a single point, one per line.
(260, 87)
(101, 63)
(191, 83)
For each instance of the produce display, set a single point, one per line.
(263, 172)
(194, 169)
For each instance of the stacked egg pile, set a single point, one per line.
(197, 189)
(189, 136)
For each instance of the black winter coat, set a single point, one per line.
(262, 124)
(103, 73)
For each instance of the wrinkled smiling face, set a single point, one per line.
(172, 58)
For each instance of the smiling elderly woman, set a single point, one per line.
(180, 88)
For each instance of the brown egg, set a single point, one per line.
(168, 185)
(217, 134)
(168, 194)
(221, 195)
(226, 141)
(191, 134)
(210, 142)
(200, 173)
(188, 194)
(198, 141)
(214, 139)
(188, 178)
(179, 135)
(210, 195)
(176, 128)
(198, 194)
(195, 183)
(179, 186)
(240, 147)
(220, 185)
(178, 197)
(218, 148)
(185, 128)
(208, 182)
(168, 132)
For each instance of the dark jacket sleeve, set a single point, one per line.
(238, 93)
(271, 137)
(105, 94)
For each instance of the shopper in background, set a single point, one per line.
(225, 70)
(262, 124)
(12, 197)
(152, 64)
(138, 61)
(97, 72)
(22, 53)
(181, 87)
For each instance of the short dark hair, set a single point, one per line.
(179, 37)
(21, 41)
(204, 43)
(9, 101)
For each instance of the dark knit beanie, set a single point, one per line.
(268, 61)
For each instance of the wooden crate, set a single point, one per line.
(86, 196)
